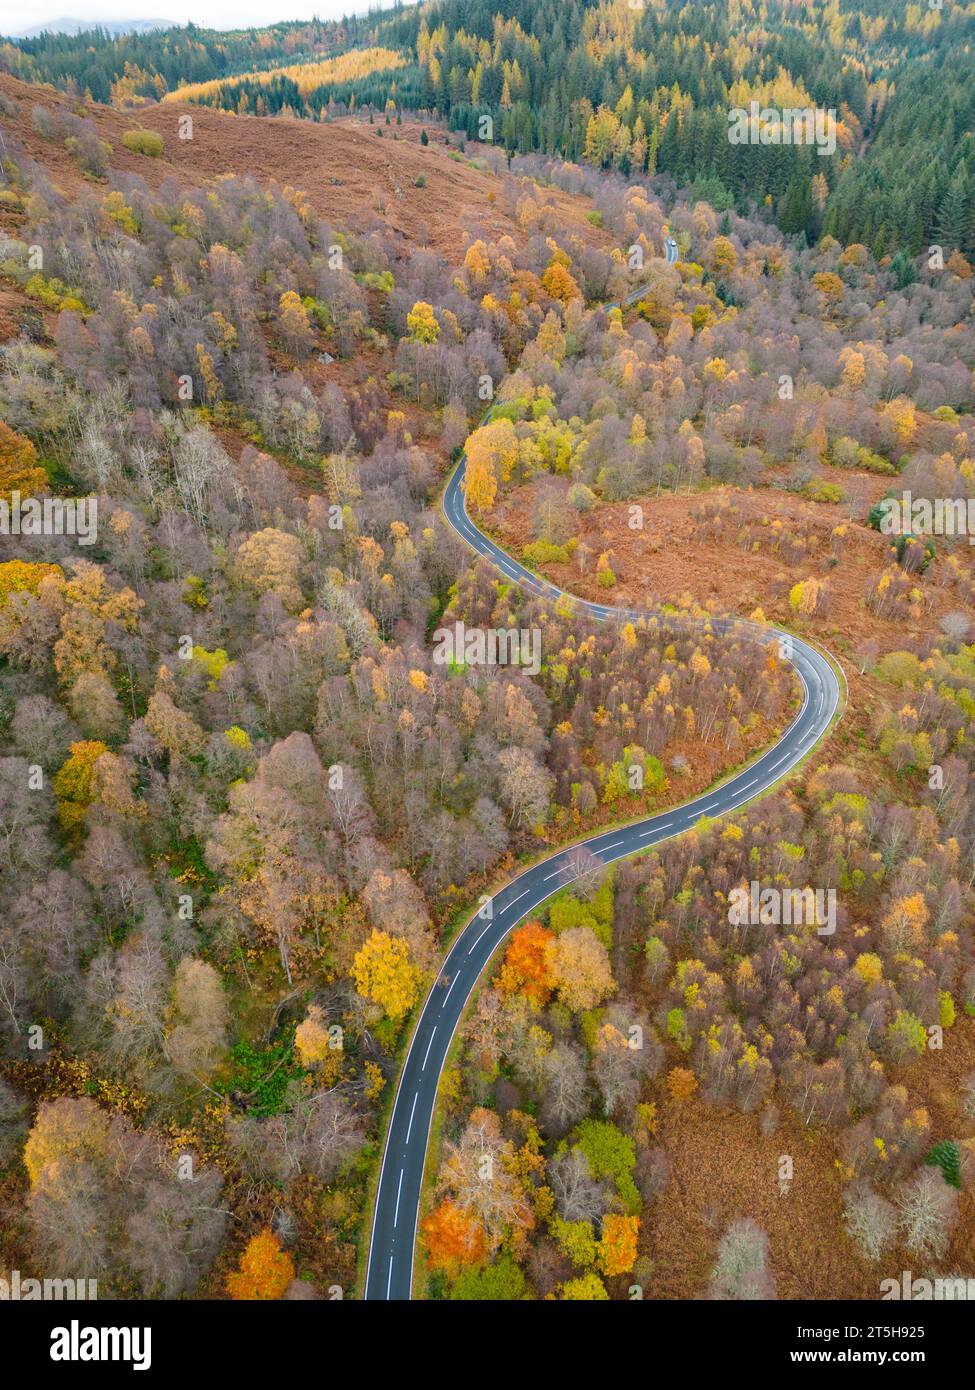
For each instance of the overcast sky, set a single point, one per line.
(215, 14)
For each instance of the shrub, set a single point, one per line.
(44, 122)
(847, 453)
(420, 181)
(915, 553)
(581, 497)
(143, 142)
(89, 152)
(819, 490)
(381, 280)
(968, 1096)
(540, 553)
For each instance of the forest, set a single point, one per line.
(245, 811)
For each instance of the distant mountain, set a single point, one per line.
(115, 27)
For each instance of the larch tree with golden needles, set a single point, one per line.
(557, 281)
(681, 1083)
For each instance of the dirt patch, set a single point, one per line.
(672, 555)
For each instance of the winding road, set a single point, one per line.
(389, 1274)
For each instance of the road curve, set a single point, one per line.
(389, 1273)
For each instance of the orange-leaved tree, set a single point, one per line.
(525, 969)
(617, 1245)
(264, 1271)
(19, 469)
(454, 1238)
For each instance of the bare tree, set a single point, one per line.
(578, 1196)
(871, 1221)
(566, 1088)
(928, 1209)
(742, 1271)
(585, 871)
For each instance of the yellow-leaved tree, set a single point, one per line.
(74, 782)
(558, 282)
(422, 323)
(492, 452)
(293, 326)
(384, 972)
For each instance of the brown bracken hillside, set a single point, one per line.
(348, 171)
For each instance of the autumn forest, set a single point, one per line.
(261, 294)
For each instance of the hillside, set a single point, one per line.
(345, 168)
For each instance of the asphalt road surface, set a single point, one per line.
(390, 1270)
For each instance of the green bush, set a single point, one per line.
(540, 553)
(847, 453)
(381, 280)
(143, 142)
(581, 497)
(819, 490)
